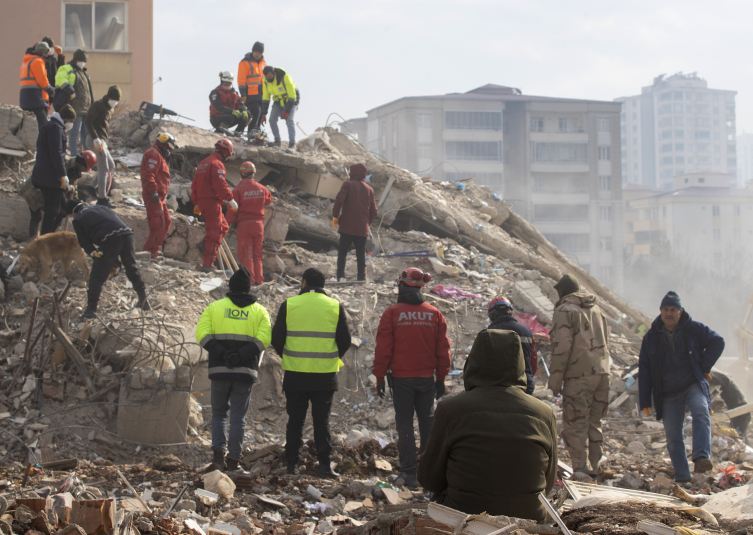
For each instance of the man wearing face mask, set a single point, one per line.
(97, 132)
(155, 181)
(74, 74)
(251, 82)
(225, 107)
(50, 174)
(209, 191)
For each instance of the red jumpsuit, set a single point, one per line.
(251, 197)
(208, 191)
(155, 178)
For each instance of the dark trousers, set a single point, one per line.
(297, 406)
(254, 109)
(346, 240)
(114, 248)
(34, 220)
(409, 394)
(54, 208)
(41, 114)
(229, 397)
(228, 121)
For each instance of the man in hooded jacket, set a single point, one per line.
(234, 331)
(493, 448)
(97, 132)
(580, 357)
(353, 212)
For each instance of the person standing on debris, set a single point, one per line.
(155, 181)
(412, 346)
(279, 86)
(106, 238)
(251, 198)
(36, 89)
(353, 212)
(97, 132)
(493, 448)
(311, 334)
(675, 363)
(234, 331)
(580, 357)
(50, 174)
(209, 191)
(500, 315)
(74, 74)
(251, 83)
(225, 107)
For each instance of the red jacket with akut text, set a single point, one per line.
(251, 197)
(209, 181)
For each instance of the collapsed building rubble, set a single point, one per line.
(127, 391)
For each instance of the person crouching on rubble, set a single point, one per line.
(155, 182)
(675, 363)
(412, 344)
(493, 448)
(208, 192)
(234, 331)
(500, 315)
(106, 238)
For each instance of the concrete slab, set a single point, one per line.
(161, 420)
(735, 507)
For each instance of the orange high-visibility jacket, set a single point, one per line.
(251, 77)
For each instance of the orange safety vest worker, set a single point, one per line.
(34, 83)
(251, 77)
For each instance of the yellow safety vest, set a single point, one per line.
(310, 344)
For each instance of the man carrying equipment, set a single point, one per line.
(155, 181)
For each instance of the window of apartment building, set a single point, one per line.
(571, 243)
(559, 152)
(717, 148)
(679, 147)
(667, 160)
(702, 109)
(679, 120)
(606, 213)
(560, 212)
(702, 121)
(605, 183)
(473, 120)
(717, 235)
(703, 147)
(667, 95)
(563, 125)
(423, 120)
(680, 160)
(677, 95)
(736, 211)
(702, 134)
(635, 116)
(665, 121)
(635, 128)
(605, 243)
(666, 147)
(604, 124)
(716, 110)
(635, 103)
(664, 212)
(95, 25)
(730, 111)
(731, 162)
(736, 235)
(373, 130)
(605, 153)
(473, 150)
(689, 109)
(537, 124)
(716, 123)
(716, 211)
(678, 108)
(665, 108)
(666, 134)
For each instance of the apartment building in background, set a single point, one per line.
(744, 159)
(677, 125)
(704, 219)
(117, 35)
(557, 161)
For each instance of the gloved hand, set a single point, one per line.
(646, 411)
(196, 210)
(64, 182)
(96, 254)
(336, 222)
(708, 376)
(244, 116)
(263, 120)
(50, 90)
(439, 389)
(236, 113)
(97, 144)
(381, 387)
(284, 115)
(71, 188)
(155, 198)
(232, 360)
(243, 99)
(233, 205)
(58, 50)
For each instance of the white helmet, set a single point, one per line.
(226, 76)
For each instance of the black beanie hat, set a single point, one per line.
(67, 113)
(49, 41)
(113, 93)
(671, 300)
(258, 47)
(566, 286)
(240, 282)
(81, 55)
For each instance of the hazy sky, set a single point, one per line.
(350, 56)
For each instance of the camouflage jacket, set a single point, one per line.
(579, 337)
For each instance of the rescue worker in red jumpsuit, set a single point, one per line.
(155, 181)
(251, 197)
(412, 344)
(209, 191)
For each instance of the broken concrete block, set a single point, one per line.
(183, 377)
(636, 447)
(631, 480)
(149, 377)
(167, 415)
(386, 419)
(30, 291)
(733, 507)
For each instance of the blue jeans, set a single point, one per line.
(79, 127)
(277, 110)
(232, 397)
(674, 424)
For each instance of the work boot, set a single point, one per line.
(325, 471)
(231, 464)
(409, 480)
(703, 464)
(292, 468)
(276, 143)
(104, 201)
(89, 314)
(218, 462)
(206, 269)
(143, 303)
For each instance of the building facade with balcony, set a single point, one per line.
(677, 125)
(557, 161)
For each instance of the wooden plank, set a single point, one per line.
(78, 360)
(580, 490)
(622, 398)
(727, 415)
(386, 190)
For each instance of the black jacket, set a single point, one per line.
(309, 382)
(95, 225)
(51, 146)
(508, 323)
(98, 119)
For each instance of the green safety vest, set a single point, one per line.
(310, 344)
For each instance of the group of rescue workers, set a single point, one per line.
(466, 446)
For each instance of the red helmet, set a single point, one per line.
(225, 146)
(500, 301)
(248, 169)
(414, 277)
(90, 158)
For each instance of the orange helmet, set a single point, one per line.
(225, 147)
(500, 301)
(248, 169)
(90, 158)
(414, 277)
